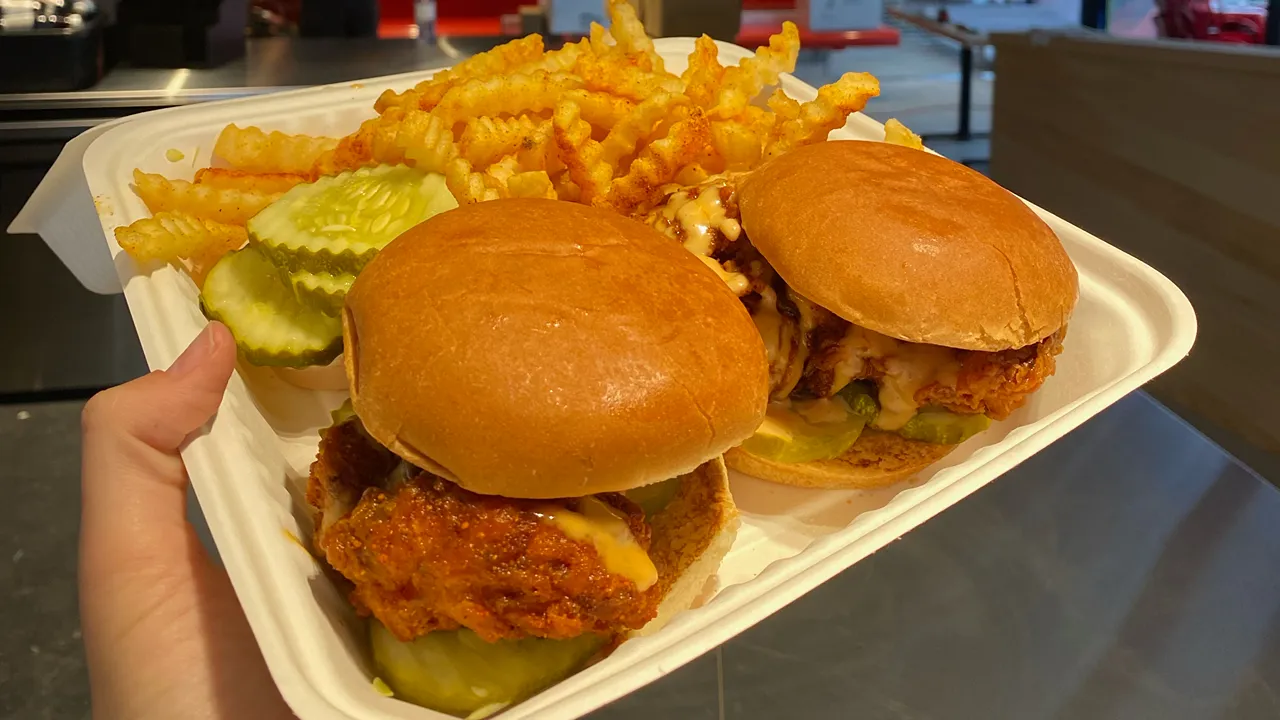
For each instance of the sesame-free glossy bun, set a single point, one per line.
(910, 245)
(542, 349)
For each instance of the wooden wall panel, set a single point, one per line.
(1170, 151)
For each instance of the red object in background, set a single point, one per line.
(1198, 20)
(758, 25)
(760, 19)
(454, 18)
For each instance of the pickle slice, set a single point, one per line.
(786, 436)
(321, 291)
(456, 672)
(943, 428)
(652, 498)
(244, 292)
(861, 397)
(337, 224)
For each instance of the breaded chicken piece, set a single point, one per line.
(424, 554)
(996, 383)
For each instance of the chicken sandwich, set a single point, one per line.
(904, 300)
(531, 469)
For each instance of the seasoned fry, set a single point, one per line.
(579, 153)
(224, 205)
(566, 188)
(639, 123)
(426, 141)
(743, 82)
(631, 37)
(562, 60)
(784, 106)
(486, 139)
(898, 134)
(398, 136)
(249, 182)
(599, 121)
(739, 144)
(175, 237)
(704, 75)
(600, 39)
(256, 151)
(830, 110)
(623, 80)
(600, 109)
(502, 59)
(531, 184)
(659, 162)
(467, 185)
(507, 94)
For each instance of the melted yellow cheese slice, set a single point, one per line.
(605, 528)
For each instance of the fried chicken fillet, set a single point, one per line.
(423, 554)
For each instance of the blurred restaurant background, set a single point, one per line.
(1150, 123)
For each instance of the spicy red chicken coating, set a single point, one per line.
(423, 554)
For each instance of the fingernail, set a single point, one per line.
(197, 352)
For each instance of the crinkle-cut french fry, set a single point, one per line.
(600, 109)
(637, 126)
(566, 188)
(898, 134)
(505, 95)
(249, 182)
(562, 60)
(579, 153)
(467, 185)
(818, 117)
(744, 81)
(502, 59)
(397, 136)
(426, 141)
(534, 183)
(253, 150)
(224, 205)
(486, 139)
(740, 144)
(600, 39)
(704, 75)
(783, 106)
(659, 162)
(623, 80)
(631, 37)
(182, 239)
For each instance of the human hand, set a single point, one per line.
(163, 632)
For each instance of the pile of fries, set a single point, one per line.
(599, 121)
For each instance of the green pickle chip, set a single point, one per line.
(456, 672)
(861, 397)
(943, 428)
(787, 436)
(336, 225)
(243, 291)
(652, 498)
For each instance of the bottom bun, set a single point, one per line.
(876, 460)
(691, 535)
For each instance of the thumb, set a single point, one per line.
(133, 480)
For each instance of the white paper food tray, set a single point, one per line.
(249, 468)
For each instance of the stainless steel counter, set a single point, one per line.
(269, 64)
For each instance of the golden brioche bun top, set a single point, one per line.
(910, 245)
(540, 349)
